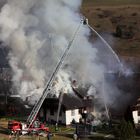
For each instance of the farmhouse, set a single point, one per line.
(72, 109)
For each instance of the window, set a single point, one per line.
(72, 112)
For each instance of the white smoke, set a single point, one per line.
(37, 33)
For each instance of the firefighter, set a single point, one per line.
(75, 137)
(49, 135)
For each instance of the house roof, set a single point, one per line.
(80, 92)
(69, 102)
(72, 102)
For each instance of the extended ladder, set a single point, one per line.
(38, 104)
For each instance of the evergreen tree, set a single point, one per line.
(127, 131)
(123, 133)
(128, 116)
(131, 131)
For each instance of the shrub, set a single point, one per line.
(127, 131)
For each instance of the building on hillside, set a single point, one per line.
(72, 109)
(136, 112)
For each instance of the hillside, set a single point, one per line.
(107, 15)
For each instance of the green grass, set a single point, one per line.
(65, 137)
(61, 129)
(18, 118)
(111, 2)
(39, 138)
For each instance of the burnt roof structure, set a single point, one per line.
(72, 102)
(69, 101)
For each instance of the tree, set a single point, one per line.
(131, 131)
(127, 131)
(128, 116)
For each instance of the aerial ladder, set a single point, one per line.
(38, 104)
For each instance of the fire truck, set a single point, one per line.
(20, 128)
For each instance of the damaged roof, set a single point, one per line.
(70, 102)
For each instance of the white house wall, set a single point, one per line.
(136, 117)
(69, 116)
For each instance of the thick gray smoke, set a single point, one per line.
(38, 32)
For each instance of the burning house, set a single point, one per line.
(38, 33)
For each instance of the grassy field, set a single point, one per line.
(63, 134)
(57, 137)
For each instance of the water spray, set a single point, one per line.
(85, 21)
(105, 42)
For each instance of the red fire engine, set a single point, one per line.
(16, 127)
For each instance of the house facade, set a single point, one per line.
(65, 117)
(71, 109)
(136, 112)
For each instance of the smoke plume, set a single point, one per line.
(37, 33)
